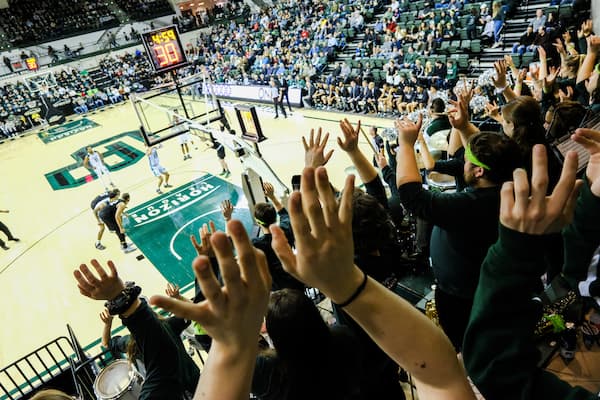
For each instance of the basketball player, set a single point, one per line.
(98, 204)
(7, 232)
(112, 216)
(180, 127)
(94, 160)
(221, 154)
(158, 170)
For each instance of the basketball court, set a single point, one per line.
(48, 192)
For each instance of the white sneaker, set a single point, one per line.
(128, 249)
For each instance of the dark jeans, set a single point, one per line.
(287, 100)
(6, 231)
(453, 314)
(276, 103)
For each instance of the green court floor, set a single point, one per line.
(161, 227)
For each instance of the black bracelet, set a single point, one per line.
(124, 300)
(356, 293)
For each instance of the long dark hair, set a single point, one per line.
(526, 115)
(312, 355)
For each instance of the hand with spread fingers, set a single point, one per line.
(459, 114)
(226, 209)
(232, 314)
(408, 131)
(106, 286)
(268, 190)
(314, 150)
(323, 231)
(204, 248)
(382, 160)
(105, 317)
(590, 139)
(500, 79)
(172, 290)
(350, 142)
(526, 208)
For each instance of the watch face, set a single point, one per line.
(164, 48)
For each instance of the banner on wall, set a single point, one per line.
(249, 92)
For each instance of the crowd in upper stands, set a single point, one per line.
(28, 21)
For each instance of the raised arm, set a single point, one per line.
(406, 168)
(106, 329)
(366, 170)
(269, 191)
(231, 315)
(323, 228)
(587, 67)
(582, 236)
(501, 83)
(428, 160)
(496, 346)
(459, 117)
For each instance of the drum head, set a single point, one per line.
(113, 380)
(436, 178)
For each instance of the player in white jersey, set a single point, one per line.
(93, 160)
(184, 138)
(158, 170)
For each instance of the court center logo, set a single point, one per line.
(118, 152)
(170, 204)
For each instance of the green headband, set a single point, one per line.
(260, 222)
(471, 157)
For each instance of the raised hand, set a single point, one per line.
(226, 209)
(314, 150)
(509, 61)
(172, 290)
(323, 230)
(459, 114)
(408, 131)
(269, 190)
(558, 44)
(106, 286)
(204, 248)
(551, 77)
(350, 142)
(232, 314)
(565, 95)
(527, 209)
(593, 44)
(500, 80)
(541, 53)
(590, 139)
(493, 111)
(382, 160)
(105, 317)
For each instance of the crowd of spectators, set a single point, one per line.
(293, 38)
(141, 10)
(28, 21)
(494, 245)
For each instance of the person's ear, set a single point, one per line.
(478, 172)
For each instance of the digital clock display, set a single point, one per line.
(164, 48)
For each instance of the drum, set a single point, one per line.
(119, 380)
(441, 182)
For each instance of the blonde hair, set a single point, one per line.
(496, 6)
(51, 394)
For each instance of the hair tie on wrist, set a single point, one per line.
(356, 293)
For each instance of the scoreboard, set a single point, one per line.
(164, 48)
